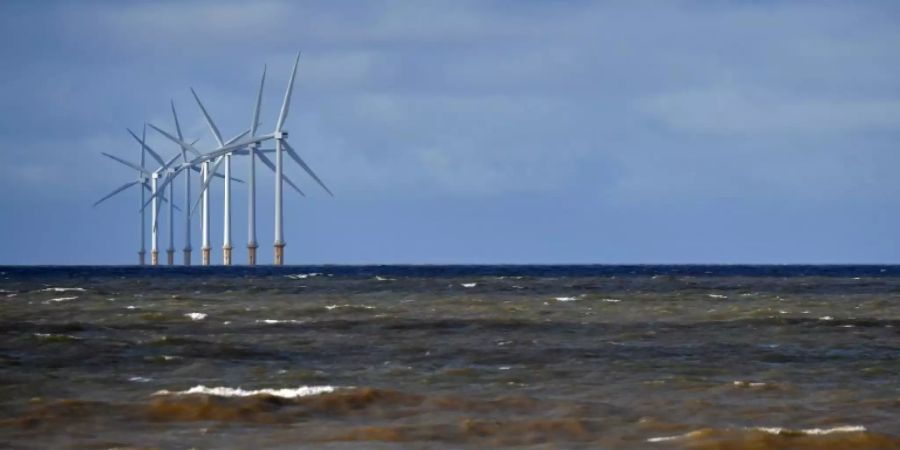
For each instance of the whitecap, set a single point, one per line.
(276, 321)
(303, 276)
(302, 391)
(140, 379)
(676, 437)
(61, 299)
(752, 384)
(716, 296)
(196, 316)
(469, 285)
(331, 307)
(826, 318)
(63, 289)
(565, 299)
(380, 278)
(813, 431)
(772, 430)
(610, 300)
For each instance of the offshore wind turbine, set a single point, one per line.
(237, 146)
(281, 145)
(144, 178)
(162, 172)
(187, 187)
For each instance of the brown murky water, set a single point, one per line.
(438, 357)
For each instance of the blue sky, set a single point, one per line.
(472, 132)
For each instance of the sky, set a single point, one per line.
(469, 131)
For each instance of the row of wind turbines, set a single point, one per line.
(156, 182)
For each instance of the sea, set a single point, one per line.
(450, 357)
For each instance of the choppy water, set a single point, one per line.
(650, 357)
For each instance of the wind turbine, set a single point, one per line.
(162, 172)
(143, 180)
(281, 145)
(187, 187)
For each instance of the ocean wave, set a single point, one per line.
(468, 285)
(277, 321)
(63, 289)
(303, 276)
(747, 433)
(333, 307)
(60, 299)
(196, 316)
(565, 299)
(221, 391)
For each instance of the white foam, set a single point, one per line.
(716, 296)
(469, 285)
(140, 379)
(773, 430)
(751, 384)
(331, 307)
(610, 300)
(196, 315)
(565, 299)
(63, 289)
(61, 299)
(826, 318)
(380, 278)
(303, 276)
(302, 391)
(275, 321)
(813, 431)
(676, 437)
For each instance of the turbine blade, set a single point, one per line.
(296, 157)
(122, 161)
(119, 189)
(146, 147)
(209, 121)
(287, 96)
(268, 163)
(143, 139)
(181, 137)
(176, 140)
(232, 140)
(170, 162)
(262, 82)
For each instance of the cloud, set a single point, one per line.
(758, 112)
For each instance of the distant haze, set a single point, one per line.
(471, 132)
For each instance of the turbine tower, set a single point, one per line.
(252, 150)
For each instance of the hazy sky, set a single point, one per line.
(472, 132)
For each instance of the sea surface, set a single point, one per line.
(448, 357)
